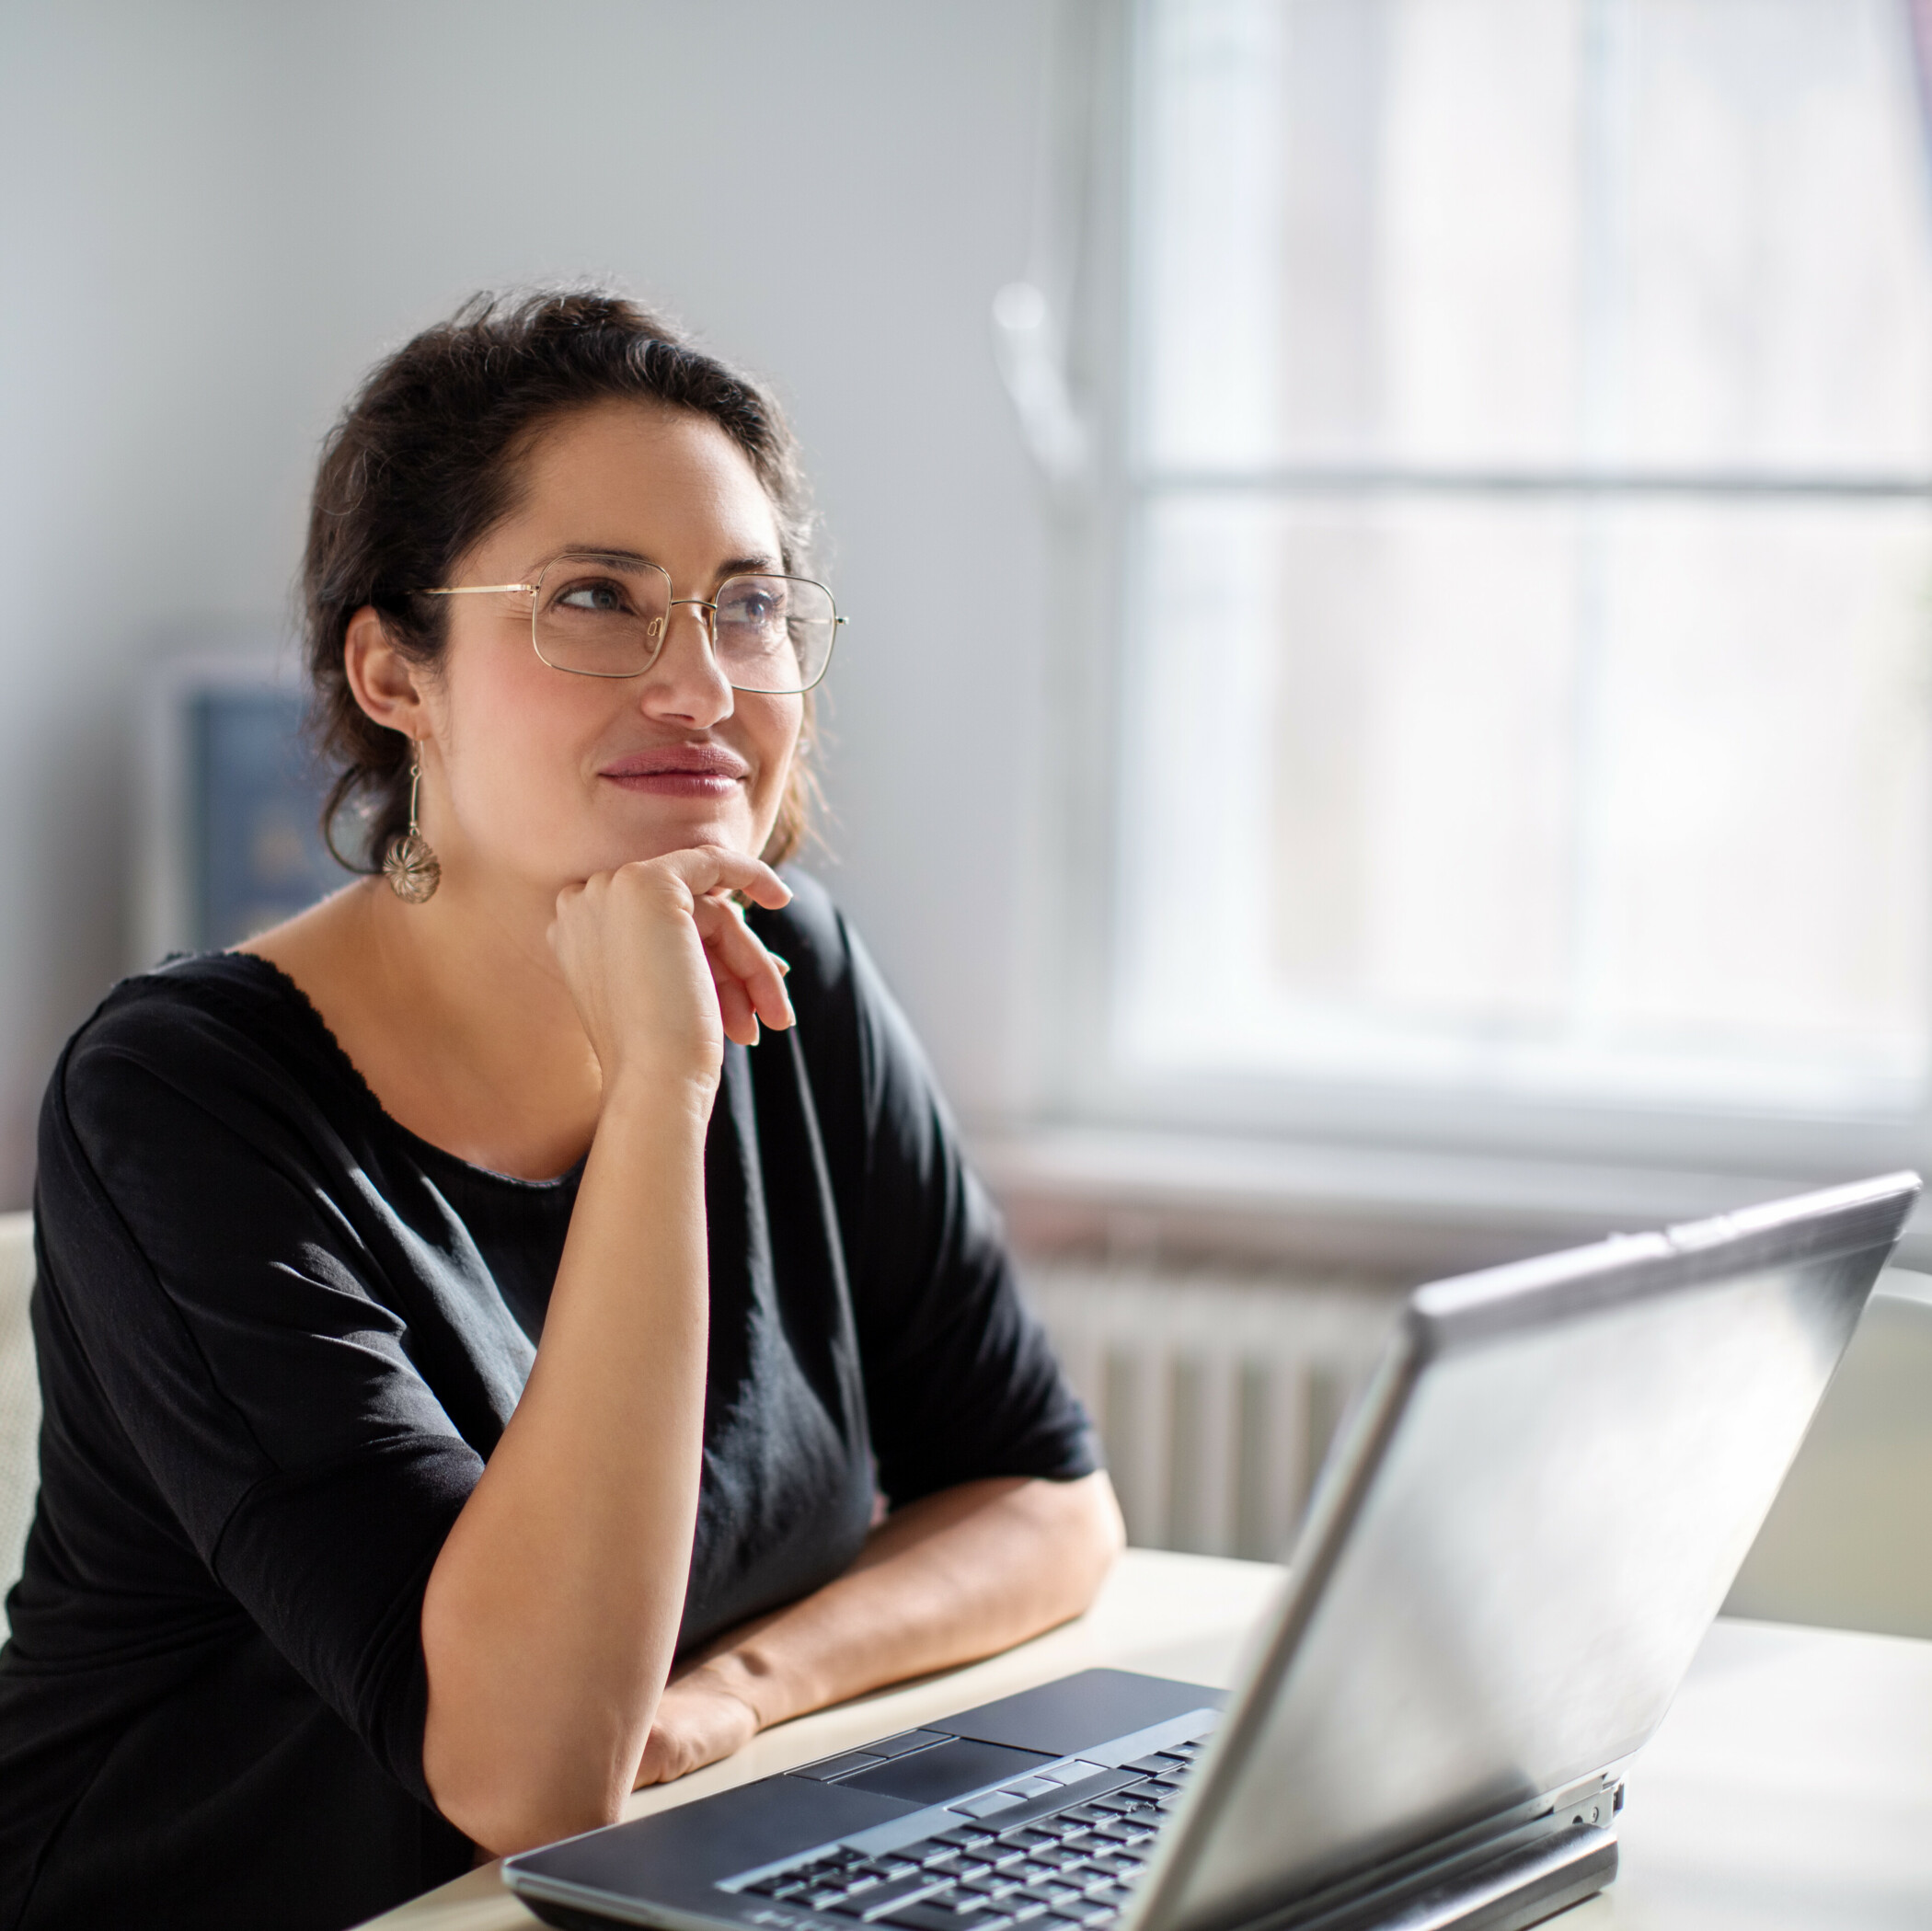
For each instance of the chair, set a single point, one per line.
(1849, 1543)
(20, 1399)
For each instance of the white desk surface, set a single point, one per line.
(1791, 1788)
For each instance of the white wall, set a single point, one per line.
(213, 217)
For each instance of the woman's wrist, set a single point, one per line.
(752, 1678)
(651, 1101)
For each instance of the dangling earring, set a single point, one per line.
(410, 864)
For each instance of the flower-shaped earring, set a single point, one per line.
(410, 864)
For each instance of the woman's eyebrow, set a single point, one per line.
(761, 562)
(606, 553)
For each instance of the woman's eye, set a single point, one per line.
(598, 599)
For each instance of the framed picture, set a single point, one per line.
(228, 841)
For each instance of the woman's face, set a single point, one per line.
(550, 776)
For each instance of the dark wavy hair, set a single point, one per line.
(428, 458)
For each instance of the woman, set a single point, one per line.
(479, 1320)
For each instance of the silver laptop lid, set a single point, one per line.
(1519, 1540)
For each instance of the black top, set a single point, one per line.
(278, 1337)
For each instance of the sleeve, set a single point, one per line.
(961, 1379)
(223, 1298)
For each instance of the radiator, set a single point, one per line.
(1215, 1395)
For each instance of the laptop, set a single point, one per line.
(1524, 1529)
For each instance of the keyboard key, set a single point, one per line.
(878, 1899)
(927, 1851)
(1159, 1764)
(990, 1804)
(907, 1741)
(936, 1917)
(1051, 1895)
(1001, 1857)
(827, 1768)
(964, 1835)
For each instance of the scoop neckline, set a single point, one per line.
(294, 995)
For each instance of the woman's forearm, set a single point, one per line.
(551, 1614)
(944, 1580)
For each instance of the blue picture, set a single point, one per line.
(256, 855)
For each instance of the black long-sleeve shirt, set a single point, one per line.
(279, 1336)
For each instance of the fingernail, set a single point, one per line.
(784, 965)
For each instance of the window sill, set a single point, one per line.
(1386, 1212)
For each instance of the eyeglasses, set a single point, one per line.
(601, 616)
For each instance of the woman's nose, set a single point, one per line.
(683, 683)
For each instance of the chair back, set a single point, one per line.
(1849, 1543)
(20, 1399)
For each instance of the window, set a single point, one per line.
(1527, 708)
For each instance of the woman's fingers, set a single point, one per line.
(738, 958)
(706, 868)
(734, 1009)
(624, 941)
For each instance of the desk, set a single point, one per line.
(1791, 1789)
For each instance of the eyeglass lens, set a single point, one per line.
(607, 618)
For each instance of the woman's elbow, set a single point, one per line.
(508, 1797)
(503, 1815)
(1088, 1533)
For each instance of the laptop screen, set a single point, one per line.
(1513, 1553)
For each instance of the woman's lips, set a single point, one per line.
(680, 771)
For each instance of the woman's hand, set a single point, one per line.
(662, 968)
(698, 1720)
(945, 1580)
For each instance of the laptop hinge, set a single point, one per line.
(1503, 1891)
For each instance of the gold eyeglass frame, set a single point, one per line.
(708, 604)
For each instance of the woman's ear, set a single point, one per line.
(385, 682)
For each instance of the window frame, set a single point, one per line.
(1078, 1083)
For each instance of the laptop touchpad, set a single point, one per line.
(930, 1776)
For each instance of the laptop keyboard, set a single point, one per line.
(1068, 1870)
